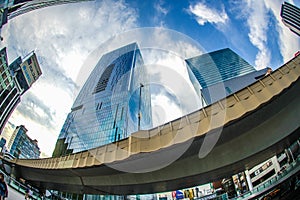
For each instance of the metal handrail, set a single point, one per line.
(20, 187)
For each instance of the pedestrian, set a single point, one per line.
(3, 187)
(269, 71)
(27, 193)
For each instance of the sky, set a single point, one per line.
(70, 39)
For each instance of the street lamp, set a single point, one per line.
(203, 100)
(139, 113)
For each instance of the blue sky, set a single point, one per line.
(220, 24)
(66, 37)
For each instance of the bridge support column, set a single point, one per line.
(291, 153)
(289, 156)
(14, 172)
(276, 164)
(249, 182)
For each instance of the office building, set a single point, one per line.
(8, 91)
(15, 79)
(6, 135)
(14, 8)
(22, 146)
(291, 17)
(263, 171)
(113, 103)
(218, 66)
(220, 73)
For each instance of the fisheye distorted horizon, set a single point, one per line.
(70, 39)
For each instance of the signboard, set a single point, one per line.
(31, 69)
(179, 194)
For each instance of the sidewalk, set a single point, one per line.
(14, 195)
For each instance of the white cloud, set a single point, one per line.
(36, 110)
(258, 20)
(170, 86)
(164, 109)
(158, 6)
(63, 36)
(258, 15)
(289, 42)
(205, 14)
(160, 12)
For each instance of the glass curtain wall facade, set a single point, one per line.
(21, 146)
(218, 66)
(19, 7)
(220, 73)
(291, 17)
(113, 103)
(15, 79)
(9, 92)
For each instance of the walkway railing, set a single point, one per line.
(20, 187)
(262, 189)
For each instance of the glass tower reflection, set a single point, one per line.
(218, 66)
(114, 102)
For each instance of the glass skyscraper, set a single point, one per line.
(14, 8)
(113, 103)
(22, 146)
(218, 66)
(291, 17)
(15, 79)
(9, 97)
(220, 73)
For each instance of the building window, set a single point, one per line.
(228, 90)
(6, 82)
(4, 75)
(99, 106)
(122, 113)
(29, 61)
(102, 83)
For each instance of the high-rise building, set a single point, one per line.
(220, 73)
(7, 134)
(15, 79)
(218, 66)
(22, 146)
(113, 103)
(291, 17)
(8, 91)
(12, 8)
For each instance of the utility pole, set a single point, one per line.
(139, 113)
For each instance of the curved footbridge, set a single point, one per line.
(229, 136)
